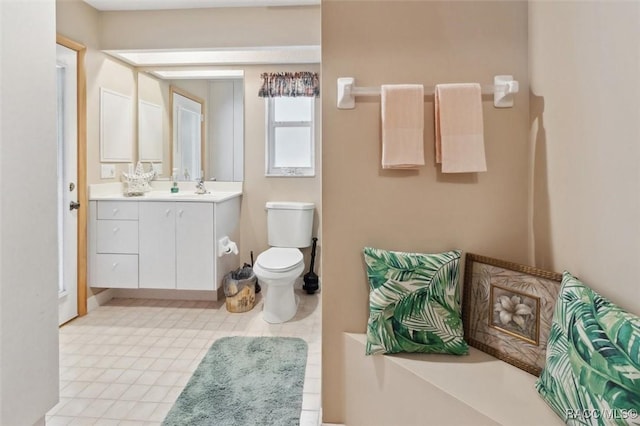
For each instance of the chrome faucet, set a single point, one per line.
(200, 188)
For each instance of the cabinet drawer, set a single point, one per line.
(116, 270)
(117, 236)
(122, 210)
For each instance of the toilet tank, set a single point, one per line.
(289, 223)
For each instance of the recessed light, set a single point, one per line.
(236, 56)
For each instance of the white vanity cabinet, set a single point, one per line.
(115, 263)
(177, 246)
(162, 241)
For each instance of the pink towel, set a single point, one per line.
(459, 128)
(402, 126)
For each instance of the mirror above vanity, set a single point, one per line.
(215, 76)
(192, 121)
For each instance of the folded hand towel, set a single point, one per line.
(402, 126)
(459, 128)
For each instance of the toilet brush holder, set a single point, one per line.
(310, 278)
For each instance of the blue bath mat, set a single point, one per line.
(245, 381)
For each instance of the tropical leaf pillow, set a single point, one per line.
(592, 371)
(414, 302)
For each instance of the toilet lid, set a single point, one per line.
(280, 259)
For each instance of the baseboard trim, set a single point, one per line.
(99, 299)
(169, 294)
(40, 422)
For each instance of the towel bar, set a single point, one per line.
(503, 88)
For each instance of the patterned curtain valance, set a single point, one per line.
(292, 84)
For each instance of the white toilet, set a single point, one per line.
(288, 228)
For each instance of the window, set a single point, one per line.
(290, 136)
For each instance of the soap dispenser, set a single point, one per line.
(174, 178)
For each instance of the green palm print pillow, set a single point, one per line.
(592, 370)
(414, 302)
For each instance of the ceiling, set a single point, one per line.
(191, 4)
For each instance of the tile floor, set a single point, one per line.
(126, 362)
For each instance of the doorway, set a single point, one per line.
(187, 135)
(71, 185)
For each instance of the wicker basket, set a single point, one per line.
(240, 290)
(242, 301)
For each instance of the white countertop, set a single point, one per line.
(218, 192)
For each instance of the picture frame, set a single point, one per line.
(507, 310)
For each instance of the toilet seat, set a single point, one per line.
(280, 259)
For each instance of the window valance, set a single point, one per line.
(293, 84)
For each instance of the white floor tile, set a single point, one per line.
(58, 420)
(161, 411)
(309, 418)
(74, 407)
(114, 391)
(93, 390)
(127, 362)
(119, 410)
(142, 411)
(110, 375)
(104, 422)
(83, 421)
(156, 394)
(311, 401)
(73, 389)
(128, 376)
(312, 385)
(97, 408)
(149, 377)
(135, 392)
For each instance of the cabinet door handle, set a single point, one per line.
(167, 212)
(116, 229)
(180, 212)
(115, 264)
(115, 211)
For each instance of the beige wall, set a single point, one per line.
(585, 132)
(80, 22)
(414, 42)
(210, 28)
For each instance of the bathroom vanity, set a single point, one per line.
(161, 240)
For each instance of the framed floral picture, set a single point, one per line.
(507, 309)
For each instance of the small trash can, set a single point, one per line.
(240, 289)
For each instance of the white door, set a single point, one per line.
(67, 184)
(157, 245)
(187, 137)
(194, 246)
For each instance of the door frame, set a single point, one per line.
(80, 50)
